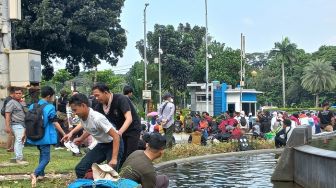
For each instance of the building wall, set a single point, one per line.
(220, 99)
(193, 99)
(251, 97)
(201, 106)
(233, 98)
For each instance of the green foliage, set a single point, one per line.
(114, 82)
(319, 76)
(85, 31)
(179, 48)
(328, 53)
(284, 50)
(223, 66)
(190, 150)
(61, 76)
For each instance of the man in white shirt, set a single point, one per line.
(166, 117)
(97, 125)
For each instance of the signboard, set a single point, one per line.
(146, 94)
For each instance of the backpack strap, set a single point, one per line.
(35, 105)
(164, 106)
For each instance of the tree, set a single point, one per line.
(223, 66)
(319, 76)
(257, 60)
(114, 82)
(284, 50)
(59, 79)
(85, 31)
(327, 53)
(61, 76)
(179, 53)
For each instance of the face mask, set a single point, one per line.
(171, 100)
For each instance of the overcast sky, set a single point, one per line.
(308, 23)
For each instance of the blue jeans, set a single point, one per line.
(44, 159)
(317, 128)
(18, 131)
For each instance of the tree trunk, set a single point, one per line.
(95, 76)
(283, 84)
(317, 100)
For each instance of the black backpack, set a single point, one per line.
(243, 121)
(34, 122)
(3, 109)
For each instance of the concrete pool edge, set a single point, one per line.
(176, 162)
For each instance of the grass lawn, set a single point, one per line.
(47, 183)
(61, 161)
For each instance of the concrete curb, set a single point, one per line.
(174, 163)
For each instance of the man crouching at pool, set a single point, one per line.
(100, 128)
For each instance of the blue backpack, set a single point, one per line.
(87, 183)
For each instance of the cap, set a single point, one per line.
(157, 141)
(167, 95)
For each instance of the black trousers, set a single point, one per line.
(279, 142)
(102, 152)
(131, 141)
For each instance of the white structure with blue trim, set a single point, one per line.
(222, 98)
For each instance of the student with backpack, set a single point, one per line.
(14, 123)
(41, 124)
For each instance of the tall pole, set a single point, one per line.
(145, 45)
(242, 68)
(145, 56)
(5, 46)
(160, 51)
(241, 72)
(283, 84)
(206, 57)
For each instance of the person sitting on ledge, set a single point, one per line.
(139, 167)
(282, 136)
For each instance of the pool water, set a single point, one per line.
(328, 143)
(237, 171)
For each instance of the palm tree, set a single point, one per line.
(285, 50)
(319, 76)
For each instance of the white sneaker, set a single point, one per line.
(72, 146)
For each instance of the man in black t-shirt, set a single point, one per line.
(326, 116)
(119, 110)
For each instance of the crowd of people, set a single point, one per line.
(107, 122)
(273, 125)
(109, 125)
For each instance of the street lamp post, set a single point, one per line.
(145, 46)
(242, 68)
(160, 52)
(145, 55)
(206, 58)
